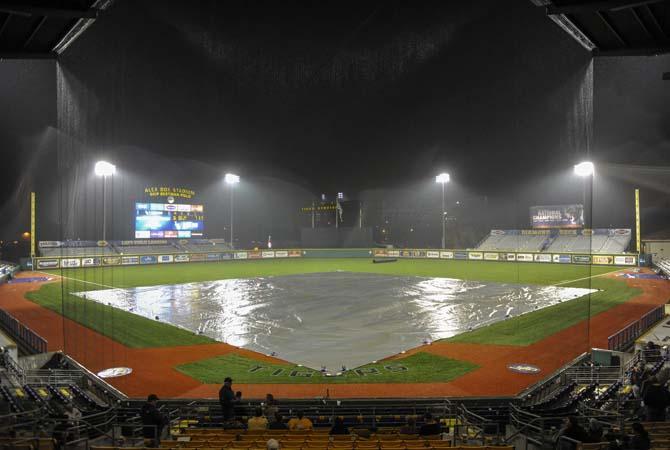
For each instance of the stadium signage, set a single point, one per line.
(182, 258)
(111, 260)
(475, 255)
(213, 256)
(50, 244)
(268, 254)
(127, 260)
(581, 259)
(562, 259)
(394, 253)
(226, 256)
(88, 262)
(47, 263)
(281, 254)
(525, 257)
(70, 262)
(510, 257)
(148, 259)
(165, 191)
(254, 255)
(294, 253)
(601, 259)
(241, 255)
(624, 260)
(197, 257)
(557, 216)
(432, 254)
(379, 252)
(491, 256)
(447, 255)
(460, 255)
(165, 258)
(542, 257)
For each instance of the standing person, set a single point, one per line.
(300, 423)
(430, 427)
(153, 421)
(227, 399)
(258, 422)
(270, 410)
(656, 398)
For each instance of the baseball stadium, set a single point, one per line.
(190, 259)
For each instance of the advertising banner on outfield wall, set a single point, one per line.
(226, 256)
(394, 253)
(213, 256)
(379, 252)
(491, 256)
(197, 257)
(510, 257)
(564, 259)
(128, 260)
(111, 260)
(70, 262)
(182, 258)
(624, 260)
(241, 255)
(89, 262)
(460, 255)
(447, 255)
(268, 254)
(254, 255)
(281, 254)
(542, 257)
(603, 259)
(295, 253)
(149, 259)
(525, 257)
(475, 255)
(581, 259)
(165, 259)
(432, 254)
(47, 263)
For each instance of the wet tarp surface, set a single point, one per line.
(333, 319)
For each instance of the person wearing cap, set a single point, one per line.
(153, 421)
(227, 399)
(272, 444)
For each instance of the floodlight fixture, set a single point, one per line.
(104, 169)
(584, 169)
(231, 178)
(442, 178)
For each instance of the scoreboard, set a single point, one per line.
(168, 220)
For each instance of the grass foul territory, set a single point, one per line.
(420, 367)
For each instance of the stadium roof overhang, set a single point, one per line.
(43, 29)
(614, 27)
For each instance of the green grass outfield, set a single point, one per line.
(138, 332)
(420, 367)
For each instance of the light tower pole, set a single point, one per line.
(231, 180)
(443, 179)
(104, 169)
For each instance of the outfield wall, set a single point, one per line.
(68, 262)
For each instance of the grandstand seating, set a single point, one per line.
(77, 251)
(599, 242)
(664, 266)
(147, 249)
(527, 243)
(204, 247)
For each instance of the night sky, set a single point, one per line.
(360, 97)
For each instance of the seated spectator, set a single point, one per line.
(640, 439)
(258, 422)
(656, 399)
(153, 420)
(572, 430)
(278, 423)
(300, 423)
(410, 427)
(272, 444)
(338, 427)
(430, 427)
(595, 431)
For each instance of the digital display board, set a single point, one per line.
(167, 220)
(557, 216)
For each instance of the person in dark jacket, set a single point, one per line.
(573, 430)
(338, 427)
(278, 423)
(640, 439)
(430, 427)
(227, 399)
(153, 421)
(656, 398)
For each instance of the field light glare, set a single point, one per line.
(104, 169)
(442, 178)
(584, 169)
(230, 178)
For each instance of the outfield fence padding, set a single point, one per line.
(625, 337)
(27, 337)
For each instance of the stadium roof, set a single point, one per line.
(614, 27)
(37, 29)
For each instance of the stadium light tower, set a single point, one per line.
(104, 169)
(584, 169)
(443, 179)
(231, 180)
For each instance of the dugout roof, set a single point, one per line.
(37, 29)
(614, 27)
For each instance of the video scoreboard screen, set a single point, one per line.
(557, 216)
(168, 220)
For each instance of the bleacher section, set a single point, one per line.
(664, 266)
(78, 251)
(604, 241)
(147, 249)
